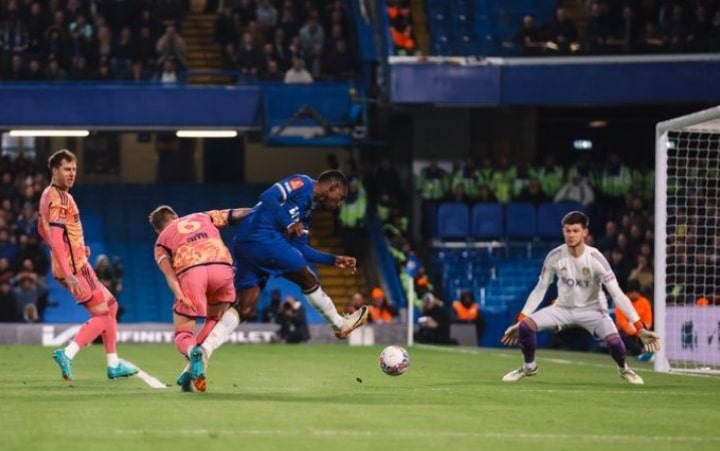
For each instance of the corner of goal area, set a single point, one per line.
(149, 379)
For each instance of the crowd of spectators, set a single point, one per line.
(285, 40)
(24, 262)
(636, 27)
(91, 40)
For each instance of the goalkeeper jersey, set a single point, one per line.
(579, 281)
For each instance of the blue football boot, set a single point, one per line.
(197, 368)
(64, 363)
(122, 370)
(185, 382)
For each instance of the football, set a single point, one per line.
(394, 360)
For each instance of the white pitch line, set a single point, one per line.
(546, 359)
(394, 433)
(149, 379)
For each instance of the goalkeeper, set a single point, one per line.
(580, 270)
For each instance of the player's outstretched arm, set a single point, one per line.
(238, 214)
(310, 253)
(650, 340)
(511, 335)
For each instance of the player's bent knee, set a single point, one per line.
(98, 304)
(305, 278)
(216, 311)
(529, 324)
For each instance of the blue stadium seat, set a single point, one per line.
(453, 221)
(520, 220)
(487, 221)
(550, 216)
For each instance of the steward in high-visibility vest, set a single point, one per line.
(433, 183)
(381, 309)
(466, 310)
(550, 176)
(469, 177)
(354, 208)
(616, 180)
(502, 181)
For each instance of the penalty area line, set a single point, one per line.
(149, 379)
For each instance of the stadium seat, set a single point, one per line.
(550, 216)
(453, 221)
(487, 221)
(520, 220)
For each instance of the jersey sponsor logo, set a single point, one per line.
(574, 282)
(198, 236)
(294, 214)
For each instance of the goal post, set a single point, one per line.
(687, 242)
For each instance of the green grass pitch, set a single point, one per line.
(308, 397)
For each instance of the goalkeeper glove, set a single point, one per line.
(650, 340)
(512, 334)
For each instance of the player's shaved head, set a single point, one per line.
(333, 175)
(161, 216)
(330, 189)
(576, 217)
(57, 158)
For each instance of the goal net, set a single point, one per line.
(687, 242)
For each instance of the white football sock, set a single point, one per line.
(112, 360)
(221, 332)
(323, 304)
(71, 350)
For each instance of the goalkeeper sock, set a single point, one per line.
(221, 332)
(325, 306)
(616, 348)
(528, 342)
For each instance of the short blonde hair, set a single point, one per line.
(161, 216)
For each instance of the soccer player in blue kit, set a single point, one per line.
(273, 241)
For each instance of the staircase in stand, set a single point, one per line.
(417, 7)
(338, 284)
(203, 54)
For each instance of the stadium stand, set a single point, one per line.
(531, 28)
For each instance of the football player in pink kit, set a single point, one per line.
(59, 225)
(581, 270)
(198, 269)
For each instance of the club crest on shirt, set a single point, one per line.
(585, 271)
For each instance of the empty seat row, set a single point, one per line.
(493, 221)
